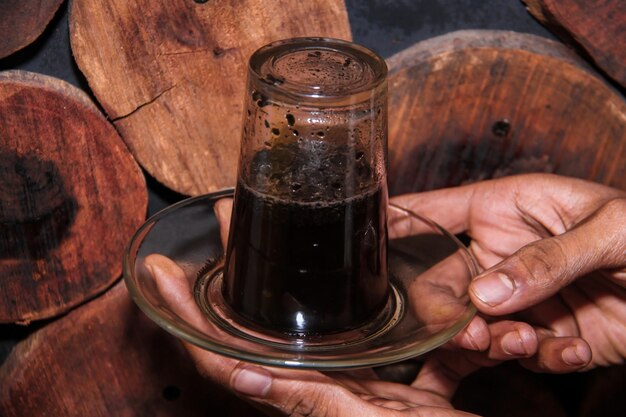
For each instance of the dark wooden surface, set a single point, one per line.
(473, 105)
(597, 27)
(71, 196)
(22, 21)
(107, 358)
(171, 74)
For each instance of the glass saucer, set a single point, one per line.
(429, 271)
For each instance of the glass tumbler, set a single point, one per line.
(307, 249)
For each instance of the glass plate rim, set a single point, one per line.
(351, 362)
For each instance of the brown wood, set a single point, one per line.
(71, 195)
(171, 75)
(107, 358)
(22, 21)
(473, 105)
(597, 26)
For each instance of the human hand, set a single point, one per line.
(554, 250)
(293, 392)
(298, 392)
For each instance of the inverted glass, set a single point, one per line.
(307, 250)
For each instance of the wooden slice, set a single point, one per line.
(107, 359)
(22, 21)
(171, 75)
(71, 195)
(473, 105)
(598, 26)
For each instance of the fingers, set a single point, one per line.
(541, 269)
(291, 392)
(512, 340)
(445, 368)
(559, 355)
(223, 210)
(173, 285)
(313, 394)
(298, 392)
(537, 349)
(475, 336)
(444, 285)
(448, 207)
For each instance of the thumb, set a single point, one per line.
(539, 270)
(313, 394)
(306, 393)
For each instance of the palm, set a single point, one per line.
(298, 392)
(383, 398)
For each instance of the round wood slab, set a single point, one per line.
(71, 195)
(107, 359)
(598, 26)
(171, 75)
(22, 21)
(472, 105)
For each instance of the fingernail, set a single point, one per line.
(493, 289)
(473, 337)
(513, 344)
(253, 381)
(575, 355)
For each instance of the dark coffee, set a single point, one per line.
(310, 267)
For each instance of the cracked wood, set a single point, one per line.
(473, 105)
(171, 75)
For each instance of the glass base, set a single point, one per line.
(209, 297)
(429, 272)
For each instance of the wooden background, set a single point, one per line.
(387, 26)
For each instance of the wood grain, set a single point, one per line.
(71, 195)
(171, 75)
(22, 21)
(596, 26)
(473, 105)
(107, 359)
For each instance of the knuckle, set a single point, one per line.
(543, 263)
(616, 206)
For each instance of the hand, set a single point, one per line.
(554, 250)
(293, 392)
(298, 392)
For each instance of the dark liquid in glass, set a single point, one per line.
(310, 267)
